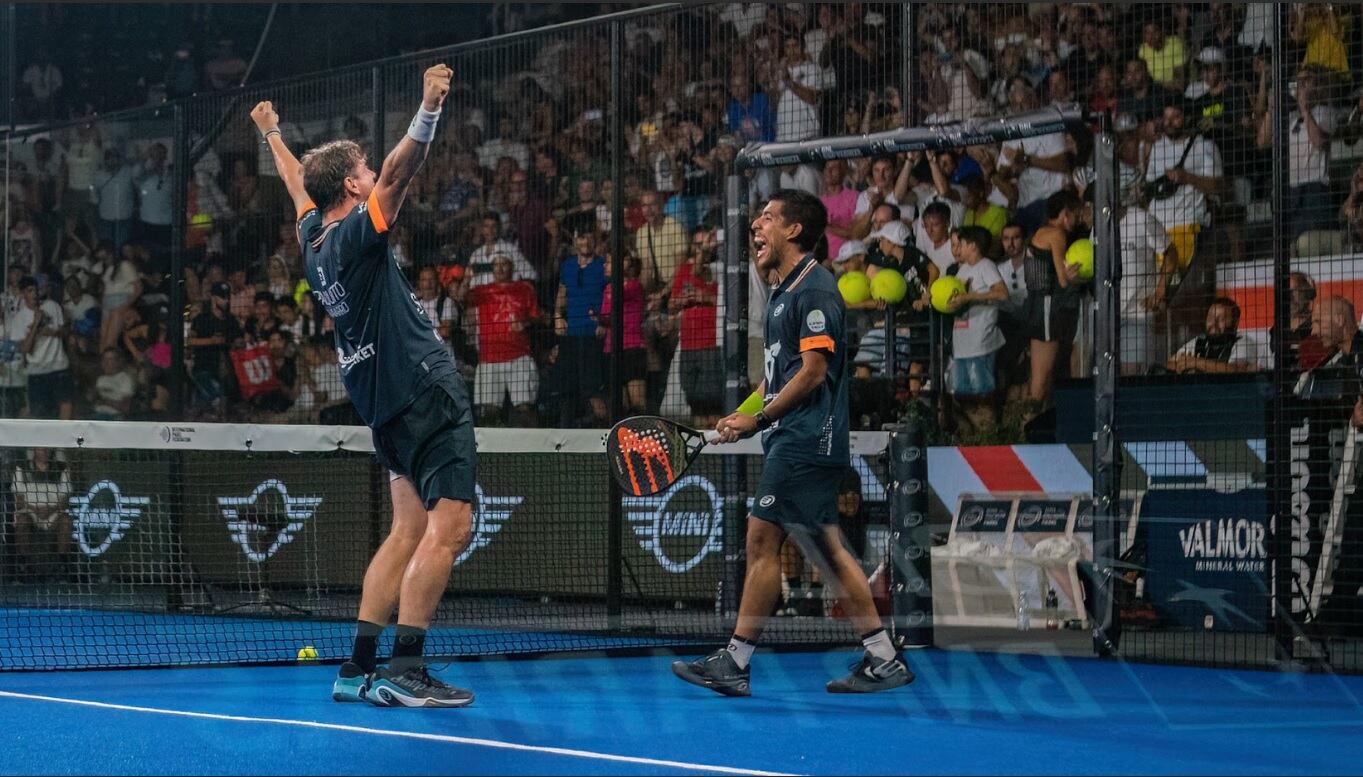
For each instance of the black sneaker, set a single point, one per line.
(351, 683)
(872, 674)
(414, 687)
(717, 671)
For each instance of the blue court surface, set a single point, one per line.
(968, 713)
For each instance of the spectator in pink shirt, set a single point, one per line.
(633, 359)
(841, 203)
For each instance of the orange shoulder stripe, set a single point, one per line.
(376, 214)
(818, 341)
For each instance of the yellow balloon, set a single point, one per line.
(1080, 253)
(855, 287)
(889, 285)
(943, 290)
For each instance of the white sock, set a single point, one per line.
(741, 651)
(878, 644)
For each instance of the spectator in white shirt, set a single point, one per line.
(113, 191)
(800, 82)
(41, 324)
(1182, 207)
(1222, 349)
(504, 145)
(480, 262)
(1309, 203)
(112, 395)
(1035, 168)
(1149, 259)
(154, 190)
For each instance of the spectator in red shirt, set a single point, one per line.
(503, 311)
(633, 359)
(695, 293)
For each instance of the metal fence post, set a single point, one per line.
(615, 533)
(1280, 432)
(735, 375)
(1107, 454)
(178, 205)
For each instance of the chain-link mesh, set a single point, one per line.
(1234, 125)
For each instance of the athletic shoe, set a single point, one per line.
(872, 674)
(351, 683)
(414, 687)
(717, 671)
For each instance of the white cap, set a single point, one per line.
(895, 231)
(849, 249)
(1211, 55)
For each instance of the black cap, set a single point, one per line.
(221, 289)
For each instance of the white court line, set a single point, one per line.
(402, 734)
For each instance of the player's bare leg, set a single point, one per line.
(405, 682)
(379, 596)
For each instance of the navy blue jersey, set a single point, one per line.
(385, 344)
(805, 313)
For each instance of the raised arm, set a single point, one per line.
(290, 171)
(406, 158)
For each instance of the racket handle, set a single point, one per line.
(710, 436)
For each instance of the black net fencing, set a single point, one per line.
(153, 545)
(1237, 302)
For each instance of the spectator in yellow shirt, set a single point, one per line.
(1166, 57)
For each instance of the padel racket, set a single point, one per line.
(648, 454)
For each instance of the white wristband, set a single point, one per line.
(422, 128)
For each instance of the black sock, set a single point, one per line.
(365, 652)
(408, 647)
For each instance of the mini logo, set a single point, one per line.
(913, 519)
(778, 310)
(815, 321)
(489, 514)
(177, 434)
(1028, 518)
(768, 501)
(268, 508)
(680, 526)
(911, 487)
(918, 585)
(971, 516)
(111, 515)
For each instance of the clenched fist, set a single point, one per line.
(264, 116)
(436, 86)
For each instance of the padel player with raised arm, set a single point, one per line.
(804, 429)
(403, 383)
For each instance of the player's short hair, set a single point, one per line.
(801, 207)
(325, 169)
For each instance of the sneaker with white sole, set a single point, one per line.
(414, 687)
(872, 674)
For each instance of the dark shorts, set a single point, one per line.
(586, 365)
(432, 443)
(47, 393)
(702, 379)
(1051, 318)
(793, 493)
(633, 364)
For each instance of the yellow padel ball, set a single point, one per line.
(889, 286)
(855, 287)
(943, 290)
(1081, 253)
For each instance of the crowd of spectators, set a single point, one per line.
(507, 233)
